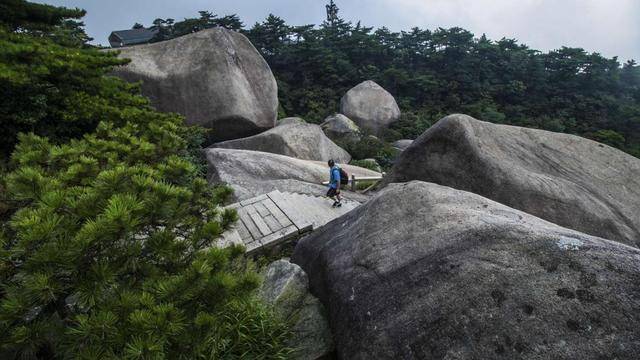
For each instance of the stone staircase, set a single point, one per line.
(271, 219)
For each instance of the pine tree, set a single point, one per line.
(26, 16)
(53, 83)
(107, 240)
(110, 255)
(57, 91)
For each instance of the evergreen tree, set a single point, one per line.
(169, 29)
(231, 22)
(26, 16)
(108, 240)
(109, 253)
(57, 91)
(432, 73)
(53, 84)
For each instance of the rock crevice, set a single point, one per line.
(568, 180)
(425, 271)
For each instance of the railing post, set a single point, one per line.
(353, 183)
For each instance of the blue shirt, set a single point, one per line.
(334, 177)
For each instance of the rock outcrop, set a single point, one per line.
(424, 271)
(295, 139)
(370, 106)
(402, 144)
(340, 128)
(214, 77)
(568, 180)
(290, 120)
(286, 287)
(253, 173)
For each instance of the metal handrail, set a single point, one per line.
(355, 179)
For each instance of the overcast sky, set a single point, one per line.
(610, 27)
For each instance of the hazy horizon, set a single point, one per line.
(607, 27)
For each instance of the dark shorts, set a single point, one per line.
(332, 192)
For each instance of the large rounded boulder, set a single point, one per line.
(252, 173)
(290, 120)
(292, 138)
(215, 78)
(340, 128)
(370, 106)
(424, 271)
(286, 288)
(568, 180)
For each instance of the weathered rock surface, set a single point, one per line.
(286, 287)
(253, 173)
(295, 139)
(370, 106)
(568, 180)
(423, 271)
(290, 120)
(214, 77)
(402, 145)
(340, 128)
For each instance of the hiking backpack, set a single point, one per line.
(344, 177)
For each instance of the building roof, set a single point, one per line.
(134, 36)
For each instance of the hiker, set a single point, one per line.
(334, 183)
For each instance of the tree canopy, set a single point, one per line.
(53, 83)
(28, 16)
(433, 73)
(108, 228)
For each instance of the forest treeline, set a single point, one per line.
(433, 73)
(107, 224)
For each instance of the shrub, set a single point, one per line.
(372, 147)
(366, 163)
(108, 253)
(107, 225)
(57, 91)
(412, 124)
(609, 137)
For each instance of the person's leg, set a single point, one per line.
(330, 194)
(339, 202)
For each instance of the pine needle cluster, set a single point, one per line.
(107, 226)
(109, 252)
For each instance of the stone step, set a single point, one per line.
(287, 204)
(276, 217)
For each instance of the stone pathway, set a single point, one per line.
(271, 219)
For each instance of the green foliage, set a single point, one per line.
(413, 124)
(169, 29)
(363, 185)
(26, 16)
(444, 71)
(433, 73)
(608, 137)
(372, 147)
(108, 253)
(55, 89)
(365, 163)
(107, 226)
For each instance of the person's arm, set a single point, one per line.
(339, 180)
